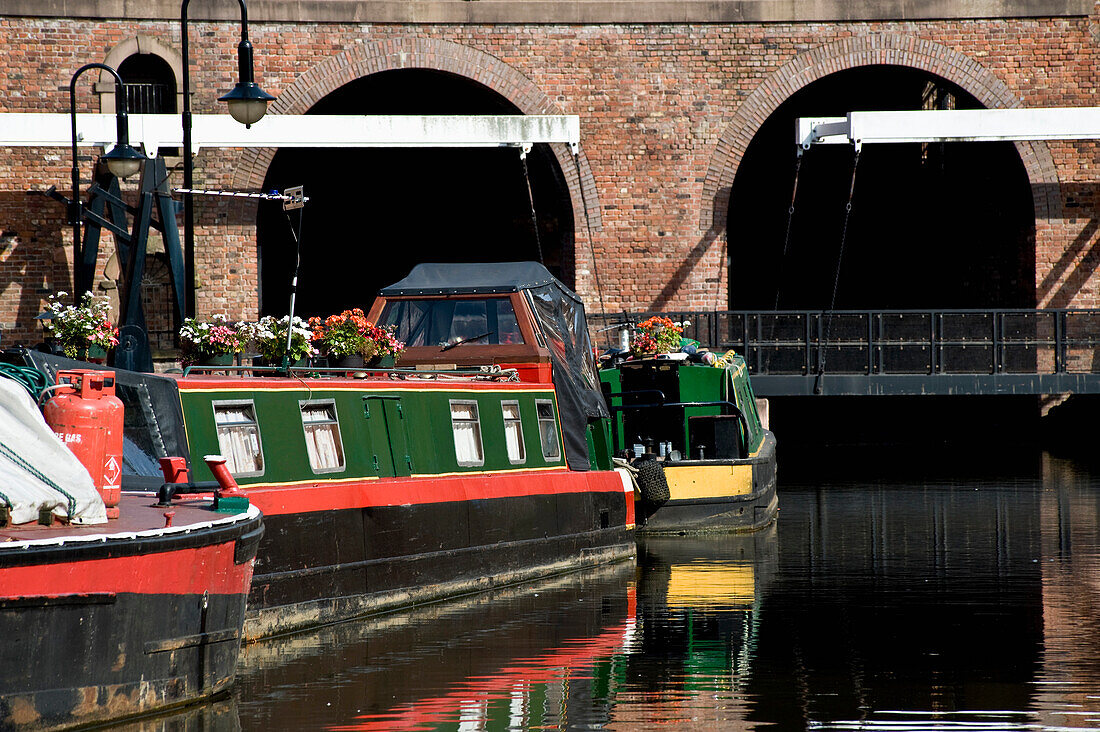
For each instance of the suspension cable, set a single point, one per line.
(783, 256)
(790, 220)
(591, 244)
(836, 278)
(531, 200)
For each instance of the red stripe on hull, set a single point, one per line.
(185, 571)
(309, 497)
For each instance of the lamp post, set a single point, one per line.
(122, 160)
(247, 104)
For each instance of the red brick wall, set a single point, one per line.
(666, 114)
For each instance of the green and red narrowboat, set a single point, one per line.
(702, 459)
(111, 606)
(484, 460)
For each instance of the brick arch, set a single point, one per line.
(850, 53)
(372, 57)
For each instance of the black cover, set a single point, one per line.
(466, 278)
(559, 316)
(152, 413)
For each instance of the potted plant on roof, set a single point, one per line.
(343, 338)
(211, 342)
(655, 336)
(269, 336)
(351, 341)
(385, 348)
(83, 332)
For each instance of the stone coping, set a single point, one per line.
(548, 12)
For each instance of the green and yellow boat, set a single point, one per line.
(702, 459)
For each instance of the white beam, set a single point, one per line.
(154, 131)
(959, 125)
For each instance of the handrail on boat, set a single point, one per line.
(487, 373)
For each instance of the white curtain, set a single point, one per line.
(513, 433)
(239, 438)
(323, 447)
(322, 436)
(241, 447)
(467, 432)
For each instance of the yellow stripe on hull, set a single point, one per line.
(708, 481)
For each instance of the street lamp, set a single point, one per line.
(247, 104)
(122, 160)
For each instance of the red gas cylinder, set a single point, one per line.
(87, 416)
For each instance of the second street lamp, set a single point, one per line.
(122, 160)
(247, 104)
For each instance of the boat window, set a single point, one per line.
(467, 431)
(513, 433)
(322, 430)
(239, 437)
(548, 429)
(440, 322)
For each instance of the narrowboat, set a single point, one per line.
(111, 605)
(702, 459)
(485, 460)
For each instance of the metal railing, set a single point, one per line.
(874, 342)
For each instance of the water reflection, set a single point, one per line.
(897, 595)
(526, 658)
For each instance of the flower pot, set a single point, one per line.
(95, 354)
(216, 359)
(261, 361)
(382, 362)
(350, 361)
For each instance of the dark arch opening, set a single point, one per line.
(932, 225)
(374, 213)
(150, 84)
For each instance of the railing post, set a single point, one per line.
(1059, 342)
(871, 343)
(745, 341)
(879, 366)
(820, 342)
(714, 330)
(933, 344)
(809, 347)
(998, 343)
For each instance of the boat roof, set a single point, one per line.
(471, 278)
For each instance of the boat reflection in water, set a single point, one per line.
(699, 602)
(544, 654)
(586, 650)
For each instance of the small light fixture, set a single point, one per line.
(123, 160)
(247, 101)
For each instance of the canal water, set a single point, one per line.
(902, 588)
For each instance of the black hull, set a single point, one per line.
(101, 627)
(96, 658)
(381, 558)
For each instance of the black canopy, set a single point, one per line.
(472, 278)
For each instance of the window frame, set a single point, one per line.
(255, 421)
(302, 404)
(548, 457)
(518, 420)
(476, 421)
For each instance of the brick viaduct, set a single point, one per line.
(669, 94)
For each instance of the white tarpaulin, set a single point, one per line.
(36, 470)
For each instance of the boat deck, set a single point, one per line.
(139, 512)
